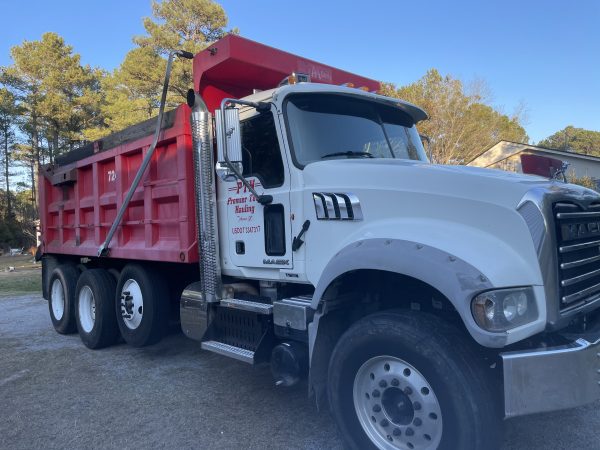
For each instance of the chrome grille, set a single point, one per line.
(578, 238)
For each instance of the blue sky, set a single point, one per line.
(543, 53)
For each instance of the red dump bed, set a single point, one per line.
(79, 200)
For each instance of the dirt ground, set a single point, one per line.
(55, 393)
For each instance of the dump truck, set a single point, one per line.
(288, 214)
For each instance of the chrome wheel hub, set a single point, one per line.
(57, 299)
(396, 405)
(132, 304)
(86, 309)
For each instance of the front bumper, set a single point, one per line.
(553, 378)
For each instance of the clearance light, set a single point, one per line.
(294, 78)
(350, 85)
(364, 88)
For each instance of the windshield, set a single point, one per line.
(325, 127)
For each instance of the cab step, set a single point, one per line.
(241, 354)
(247, 305)
(241, 329)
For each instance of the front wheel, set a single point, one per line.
(404, 380)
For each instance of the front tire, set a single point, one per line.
(142, 305)
(404, 380)
(61, 298)
(95, 309)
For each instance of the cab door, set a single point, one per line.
(258, 235)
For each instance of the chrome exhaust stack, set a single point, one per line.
(194, 308)
(206, 203)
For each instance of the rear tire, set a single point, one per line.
(61, 298)
(404, 380)
(142, 305)
(95, 309)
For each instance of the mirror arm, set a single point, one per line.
(426, 138)
(262, 199)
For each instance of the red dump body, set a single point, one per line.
(81, 194)
(79, 201)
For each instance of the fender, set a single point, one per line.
(455, 278)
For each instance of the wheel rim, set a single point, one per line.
(396, 405)
(86, 309)
(132, 304)
(57, 299)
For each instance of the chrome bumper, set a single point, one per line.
(550, 379)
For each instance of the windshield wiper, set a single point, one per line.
(349, 154)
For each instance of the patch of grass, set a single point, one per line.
(17, 261)
(20, 282)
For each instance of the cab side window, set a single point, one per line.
(261, 155)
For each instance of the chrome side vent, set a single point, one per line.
(335, 206)
(535, 222)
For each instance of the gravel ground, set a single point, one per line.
(54, 393)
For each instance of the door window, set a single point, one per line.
(261, 155)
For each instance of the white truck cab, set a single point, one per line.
(389, 247)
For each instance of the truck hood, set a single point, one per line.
(487, 185)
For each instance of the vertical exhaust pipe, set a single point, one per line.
(206, 205)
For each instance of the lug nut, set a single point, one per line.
(376, 393)
(397, 432)
(417, 422)
(395, 382)
(376, 408)
(416, 406)
(383, 384)
(409, 432)
(408, 391)
(384, 423)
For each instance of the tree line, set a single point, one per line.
(51, 103)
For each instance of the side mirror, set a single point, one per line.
(229, 143)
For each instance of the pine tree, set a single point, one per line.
(132, 92)
(9, 116)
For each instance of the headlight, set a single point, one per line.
(503, 309)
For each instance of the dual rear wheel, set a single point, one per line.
(62, 285)
(142, 305)
(102, 308)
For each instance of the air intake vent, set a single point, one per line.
(337, 206)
